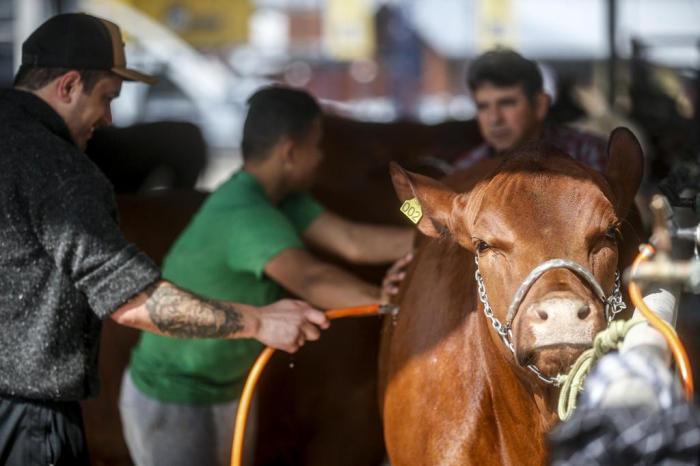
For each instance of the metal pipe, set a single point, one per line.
(612, 51)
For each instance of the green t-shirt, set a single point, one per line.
(221, 255)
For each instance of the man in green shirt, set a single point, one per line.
(248, 244)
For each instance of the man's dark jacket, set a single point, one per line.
(64, 265)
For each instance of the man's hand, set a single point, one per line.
(393, 278)
(288, 324)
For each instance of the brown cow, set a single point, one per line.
(452, 392)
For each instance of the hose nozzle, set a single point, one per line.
(389, 310)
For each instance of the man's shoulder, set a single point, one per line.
(25, 144)
(474, 155)
(26, 135)
(583, 146)
(556, 132)
(240, 189)
(45, 165)
(236, 198)
(234, 211)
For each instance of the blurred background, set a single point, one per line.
(392, 75)
(605, 61)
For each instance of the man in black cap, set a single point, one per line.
(64, 266)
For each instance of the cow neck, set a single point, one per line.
(541, 397)
(510, 392)
(503, 331)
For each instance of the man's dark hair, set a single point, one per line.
(505, 68)
(276, 112)
(34, 78)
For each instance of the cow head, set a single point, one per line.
(539, 205)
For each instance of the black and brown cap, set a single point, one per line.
(80, 41)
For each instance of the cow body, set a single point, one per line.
(452, 393)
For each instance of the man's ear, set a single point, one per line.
(625, 168)
(68, 86)
(541, 102)
(285, 150)
(436, 200)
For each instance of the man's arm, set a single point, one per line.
(359, 243)
(320, 283)
(167, 310)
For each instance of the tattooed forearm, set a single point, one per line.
(181, 314)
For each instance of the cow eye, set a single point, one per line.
(612, 234)
(482, 246)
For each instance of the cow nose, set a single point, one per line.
(562, 309)
(558, 320)
(583, 311)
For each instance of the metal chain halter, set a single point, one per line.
(613, 303)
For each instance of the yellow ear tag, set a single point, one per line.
(411, 208)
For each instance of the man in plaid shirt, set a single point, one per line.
(511, 110)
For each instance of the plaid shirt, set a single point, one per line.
(583, 147)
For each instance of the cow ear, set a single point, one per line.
(625, 168)
(436, 200)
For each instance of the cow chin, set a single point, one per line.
(552, 360)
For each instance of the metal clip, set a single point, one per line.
(389, 310)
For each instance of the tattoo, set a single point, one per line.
(183, 314)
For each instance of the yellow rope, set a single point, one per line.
(604, 342)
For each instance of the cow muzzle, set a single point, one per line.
(554, 330)
(567, 310)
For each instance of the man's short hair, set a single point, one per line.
(34, 78)
(276, 112)
(505, 68)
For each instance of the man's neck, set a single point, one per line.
(269, 178)
(536, 135)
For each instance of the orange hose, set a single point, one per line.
(679, 353)
(260, 363)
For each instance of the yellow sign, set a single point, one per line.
(202, 23)
(495, 25)
(348, 29)
(412, 209)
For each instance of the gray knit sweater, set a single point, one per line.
(64, 265)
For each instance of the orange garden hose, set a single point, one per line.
(679, 353)
(260, 363)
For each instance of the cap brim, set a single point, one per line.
(133, 75)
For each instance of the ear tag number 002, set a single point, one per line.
(411, 208)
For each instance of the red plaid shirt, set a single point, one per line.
(584, 147)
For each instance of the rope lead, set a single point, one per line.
(605, 341)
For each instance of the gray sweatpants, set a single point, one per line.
(169, 434)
